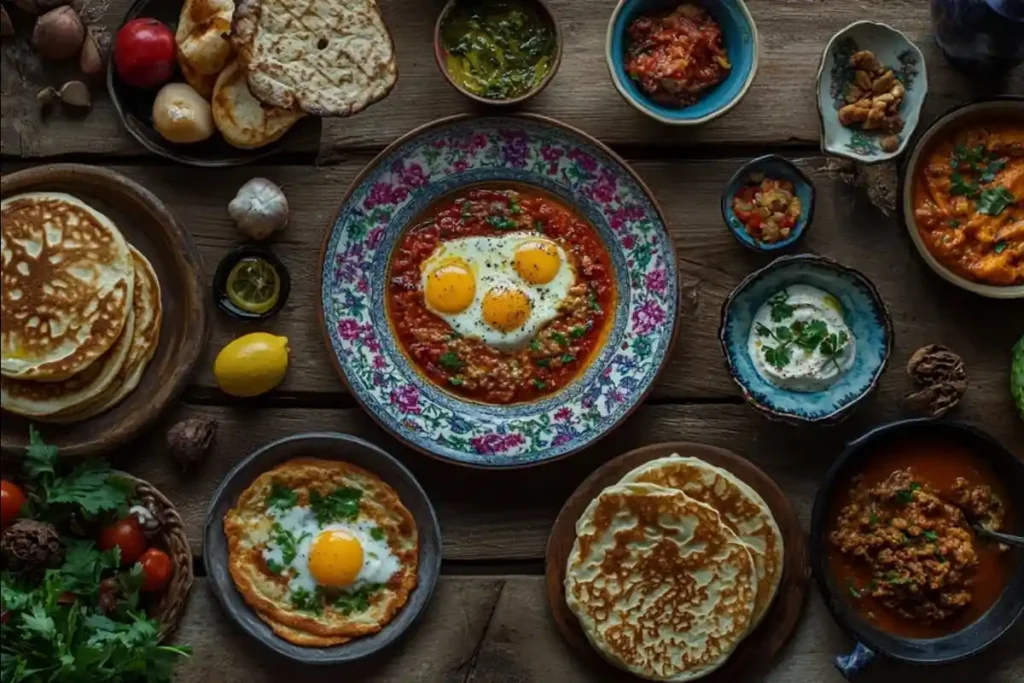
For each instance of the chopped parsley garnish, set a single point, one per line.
(580, 330)
(288, 542)
(780, 308)
(994, 200)
(274, 567)
(560, 338)
(542, 362)
(895, 579)
(873, 519)
(455, 381)
(502, 222)
(953, 223)
(535, 345)
(962, 186)
(356, 601)
(568, 358)
(281, 497)
(906, 496)
(930, 535)
(340, 504)
(465, 212)
(513, 207)
(538, 384)
(538, 225)
(853, 588)
(592, 302)
(307, 601)
(377, 534)
(450, 360)
(993, 169)
(1000, 247)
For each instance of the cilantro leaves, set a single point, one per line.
(810, 335)
(974, 166)
(340, 504)
(281, 497)
(994, 200)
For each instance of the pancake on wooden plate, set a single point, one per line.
(741, 508)
(322, 550)
(68, 280)
(660, 586)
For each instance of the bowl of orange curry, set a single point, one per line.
(894, 546)
(963, 197)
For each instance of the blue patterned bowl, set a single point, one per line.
(894, 50)
(741, 43)
(443, 157)
(773, 166)
(865, 314)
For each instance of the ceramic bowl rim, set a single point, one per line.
(860, 448)
(429, 568)
(439, 53)
(610, 61)
(806, 215)
(939, 125)
(537, 119)
(792, 418)
(884, 156)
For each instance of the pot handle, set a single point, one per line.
(853, 664)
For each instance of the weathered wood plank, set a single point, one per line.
(778, 109)
(846, 227)
(498, 630)
(507, 515)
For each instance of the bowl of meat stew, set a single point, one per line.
(894, 552)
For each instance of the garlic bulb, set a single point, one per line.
(259, 209)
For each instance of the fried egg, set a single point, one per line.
(340, 555)
(501, 289)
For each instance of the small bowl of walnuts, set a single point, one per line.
(872, 83)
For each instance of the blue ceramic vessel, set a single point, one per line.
(983, 36)
(741, 44)
(772, 166)
(863, 311)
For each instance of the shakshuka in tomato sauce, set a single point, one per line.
(501, 295)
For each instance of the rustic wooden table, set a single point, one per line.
(488, 621)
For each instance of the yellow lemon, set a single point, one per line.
(252, 365)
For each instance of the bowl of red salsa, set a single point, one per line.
(682, 62)
(768, 204)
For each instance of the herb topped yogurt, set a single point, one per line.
(799, 340)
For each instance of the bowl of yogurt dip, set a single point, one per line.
(806, 338)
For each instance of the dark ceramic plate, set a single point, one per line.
(772, 166)
(328, 446)
(871, 640)
(220, 282)
(135, 107)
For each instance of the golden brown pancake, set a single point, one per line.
(67, 286)
(324, 614)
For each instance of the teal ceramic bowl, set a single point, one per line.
(741, 43)
(863, 311)
(772, 166)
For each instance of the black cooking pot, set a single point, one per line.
(872, 641)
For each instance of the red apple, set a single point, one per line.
(144, 53)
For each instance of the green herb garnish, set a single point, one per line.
(994, 200)
(307, 601)
(340, 504)
(809, 335)
(538, 384)
(287, 541)
(930, 535)
(560, 338)
(502, 222)
(377, 534)
(906, 496)
(873, 519)
(1000, 247)
(356, 601)
(538, 225)
(455, 381)
(542, 362)
(451, 361)
(281, 497)
(580, 330)
(568, 358)
(780, 308)
(513, 207)
(962, 186)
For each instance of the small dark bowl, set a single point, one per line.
(220, 282)
(967, 642)
(440, 55)
(135, 108)
(328, 446)
(773, 166)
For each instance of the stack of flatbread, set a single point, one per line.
(264, 64)
(80, 309)
(672, 568)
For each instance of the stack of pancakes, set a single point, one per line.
(80, 309)
(672, 568)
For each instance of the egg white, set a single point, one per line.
(491, 260)
(379, 563)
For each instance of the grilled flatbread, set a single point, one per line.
(324, 57)
(243, 120)
(661, 587)
(68, 282)
(741, 508)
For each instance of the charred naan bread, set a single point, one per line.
(145, 336)
(661, 587)
(68, 281)
(324, 57)
(244, 121)
(322, 550)
(741, 508)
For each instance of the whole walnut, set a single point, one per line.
(941, 379)
(189, 440)
(30, 546)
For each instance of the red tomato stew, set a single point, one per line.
(901, 545)
(676, 57)
(768, 208)
(501, 295)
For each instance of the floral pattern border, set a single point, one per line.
(435, 162)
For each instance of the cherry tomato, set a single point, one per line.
(144, 53)
(127, 535)
(12, 499)
(156, 570)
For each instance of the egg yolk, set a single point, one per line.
(450, 287)
(335, 558)
(506, 309)
(537, 261)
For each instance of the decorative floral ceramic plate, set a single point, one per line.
(895, 51)
(863, 311)
(443, 157)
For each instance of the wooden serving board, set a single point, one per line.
(150, 227)
(754, 655)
